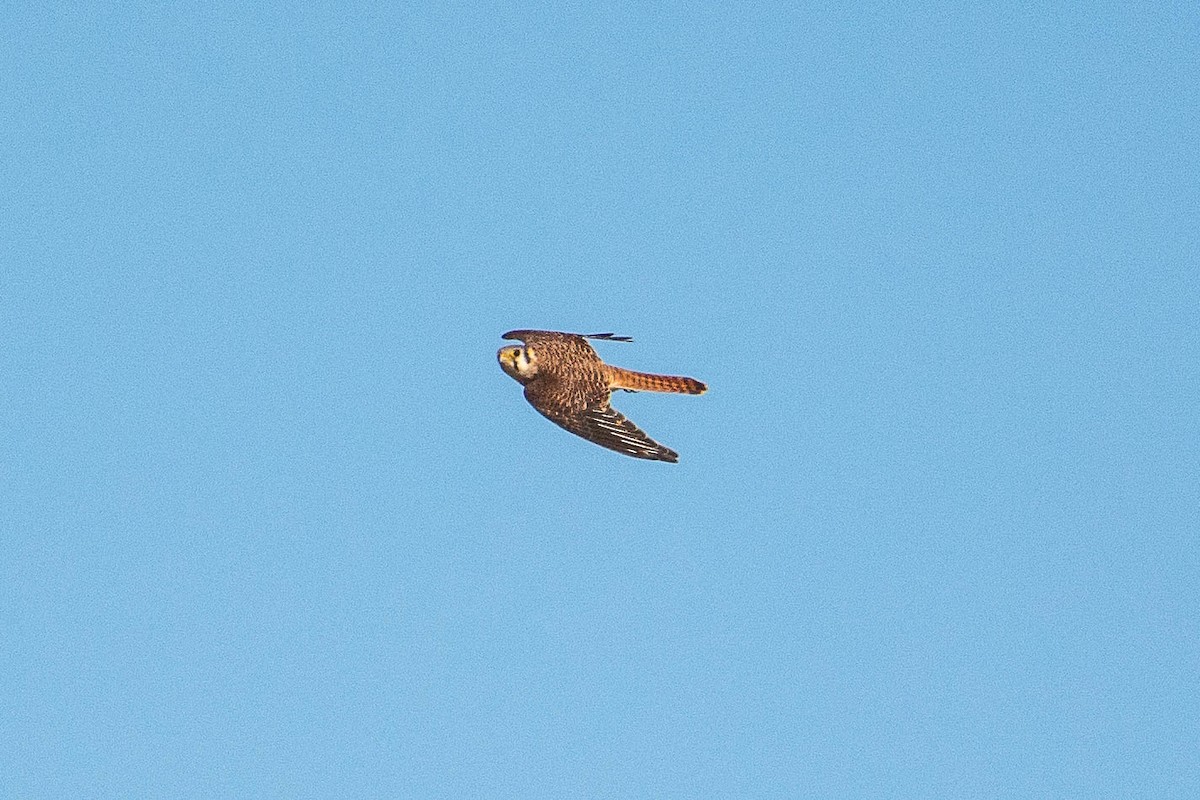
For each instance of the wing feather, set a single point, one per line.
(604, 425)
(531, 336)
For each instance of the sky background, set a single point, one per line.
(273, 523)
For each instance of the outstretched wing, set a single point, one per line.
(612, 337)
(531, 337)
(604, 425)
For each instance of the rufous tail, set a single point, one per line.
(645, 382)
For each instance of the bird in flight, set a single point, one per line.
(567, 382)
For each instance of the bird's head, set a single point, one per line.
(519, 362)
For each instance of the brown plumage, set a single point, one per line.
(567, 382)
(631, 381)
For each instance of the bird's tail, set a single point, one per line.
(632, 381)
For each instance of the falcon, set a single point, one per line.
(567, 383)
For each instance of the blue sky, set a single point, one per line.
(275, 524)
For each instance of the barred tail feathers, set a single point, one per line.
(645, 382)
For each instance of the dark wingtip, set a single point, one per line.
(667, 455)
(612, 337)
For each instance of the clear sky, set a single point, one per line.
(275, 524)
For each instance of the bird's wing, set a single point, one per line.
(531, 337)
(602, 424)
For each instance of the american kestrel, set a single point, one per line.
(567, 382)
